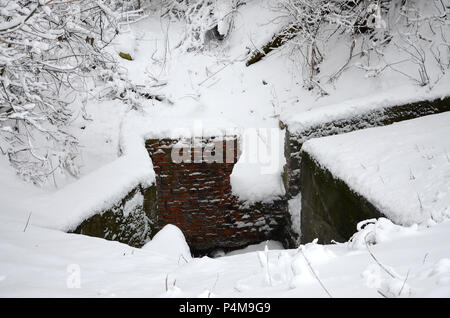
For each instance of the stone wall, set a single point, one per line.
(196, 196)
(329, 209)
(380, 117)
(132, 220)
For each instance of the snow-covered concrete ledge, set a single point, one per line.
(360, 107)
(100, 190)
(377, 110)
(401, 171)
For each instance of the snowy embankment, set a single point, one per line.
(403, 169)
(98, 190)
(106, 178)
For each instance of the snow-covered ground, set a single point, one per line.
(47, 263)
(36, 261)
(214, 90)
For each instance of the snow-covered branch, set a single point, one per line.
(206, 21)
(49, 50)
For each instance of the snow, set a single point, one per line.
(125, 43)
(272, 245)
(106, 178)
(295, 209)
(400, 95)
(47, 263)
(99, 135)
(66, 208)
(362, 88)
(42, 262)
(374, 231)
(213, 93)
(169, 241)
(16, 196)
(136, 201)
(256, 177)
(403, 169)
(222, 14)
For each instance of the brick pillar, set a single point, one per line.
(196, 196)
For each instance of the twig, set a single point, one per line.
(28, 221)
(375, 259)
(382, 294)
(167, 286)
(214, 286)
(404, 283)
(315, 275)
(323, 92)
(216, 72)
(182, 257)
(425, 258)
(277, 40)
(420, 202)
(268, 269)
(341, 70)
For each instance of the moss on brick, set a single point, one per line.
(330, 209)
(134, 227)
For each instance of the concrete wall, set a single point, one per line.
(132, 220)
(329, 207)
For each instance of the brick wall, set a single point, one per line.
(196, 196)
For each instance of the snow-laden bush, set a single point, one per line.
(417, 30)
(48, 51)
(206, 20)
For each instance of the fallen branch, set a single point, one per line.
(276, 41)
(342, 69)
